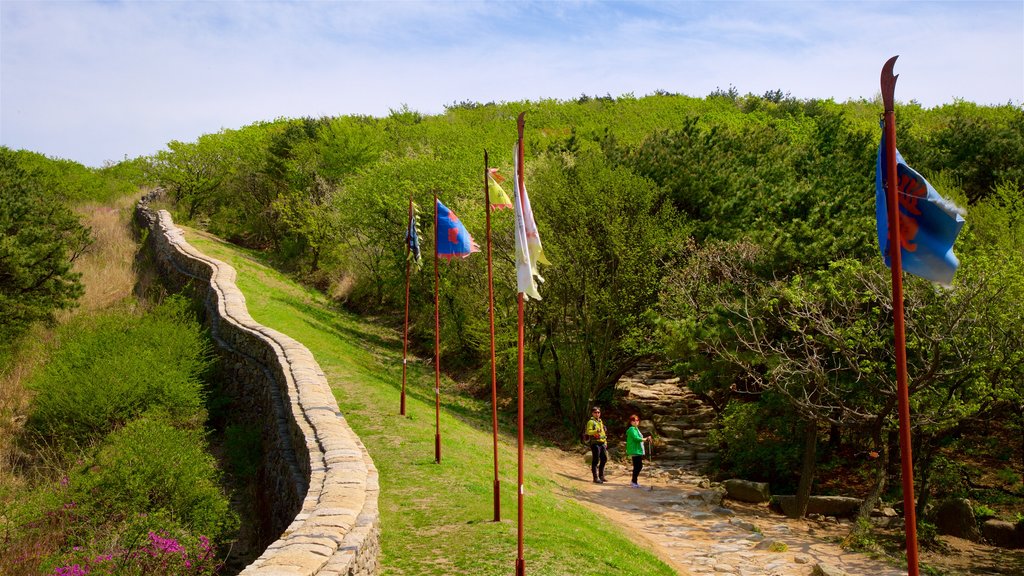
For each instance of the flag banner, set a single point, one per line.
(412, 237)
(529, 252)
(928, 223)
(452, 237)
(499, 199)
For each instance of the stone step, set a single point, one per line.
(672, 412)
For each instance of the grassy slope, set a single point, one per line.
(435, 519)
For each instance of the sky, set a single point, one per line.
(101, 81)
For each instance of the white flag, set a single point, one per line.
(529, 253)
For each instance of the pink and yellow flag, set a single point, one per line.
(499, 199)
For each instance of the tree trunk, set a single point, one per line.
(861, 522)
(924, 475)
(892, 448)
(807, 469)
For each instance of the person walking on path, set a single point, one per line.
(635, 447)
(597, 436)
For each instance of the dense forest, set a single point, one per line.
(729, 237)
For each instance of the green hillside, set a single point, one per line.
(435, 518)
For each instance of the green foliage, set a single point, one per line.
(192, 172)
(754, 442)
(861, 537)
(778, 546)
(112, 368)
(981, 148)
(150, 465)
(39, 240)
(983, 512)
(776, 197)
(797, 187)
(611, 239)
(73, 184)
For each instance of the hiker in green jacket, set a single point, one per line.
(597, 436)
(635, 447)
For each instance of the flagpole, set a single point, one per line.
(494, 369)
(405, 332)
(888, 83)
(437, 348)
(520, 562)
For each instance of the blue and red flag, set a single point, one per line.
(452, 237)
(929, 223)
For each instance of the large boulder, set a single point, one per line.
(838, 506)
(747, 491)
(1003, 534)
(955, 517)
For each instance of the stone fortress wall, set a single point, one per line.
(318, 485)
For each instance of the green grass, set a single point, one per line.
(435, 518)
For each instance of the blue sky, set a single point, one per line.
(98, 81)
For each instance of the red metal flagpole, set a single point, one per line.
(888, 82)
(437, 349)
(494, 369)
(520, 562)
(405, 333)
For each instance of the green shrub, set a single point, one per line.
(983, 512)
(149, 544)
(755, 443)
(149, 466)
(112, 368)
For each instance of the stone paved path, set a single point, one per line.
(678, 515)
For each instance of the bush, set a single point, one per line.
(755, 443)
(151, 466)
(156, 553)
(112, 368)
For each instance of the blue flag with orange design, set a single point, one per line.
(929, 223)
(452, 237)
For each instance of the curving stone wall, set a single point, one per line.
(318, 485)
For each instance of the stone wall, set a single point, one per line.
(318, 486)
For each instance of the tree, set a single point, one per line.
(40, 238)
(609, 239)
(824, 341)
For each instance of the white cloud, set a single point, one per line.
(93, 81)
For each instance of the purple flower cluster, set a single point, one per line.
(163, 545)
(162, 554)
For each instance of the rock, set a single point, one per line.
(838, 506)
(827, 570)
(886, 512)
(886, 522)
(1003, 534)
(743, 524)
(710, 496)
(747, 491)
(955, 517)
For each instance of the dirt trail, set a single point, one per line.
(679, 519)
